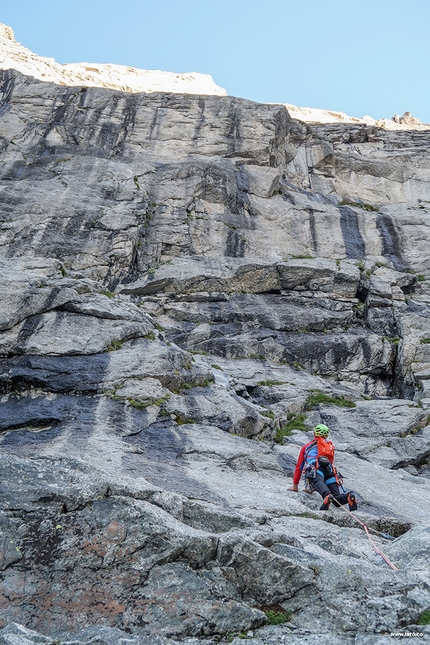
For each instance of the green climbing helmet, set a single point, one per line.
(321, 430)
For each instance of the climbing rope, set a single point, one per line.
(366, 528)
(386, 536)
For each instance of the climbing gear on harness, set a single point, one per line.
(321, 430)
(310, 471)
(326, 503)
(339, 479)
(310, 477)
(308, 487)
(352, 502)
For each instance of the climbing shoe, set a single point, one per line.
(352, 502)
(326, 503)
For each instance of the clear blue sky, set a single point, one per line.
(361, 57)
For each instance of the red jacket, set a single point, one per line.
(301, 461)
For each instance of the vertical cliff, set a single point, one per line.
(189, 284)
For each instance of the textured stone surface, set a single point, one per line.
(186, 279)
(18, 635)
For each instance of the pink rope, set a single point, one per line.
(378, 551)
(390, 564)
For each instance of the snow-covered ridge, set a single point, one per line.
(119, 77)
(130, 79)
(315, 115)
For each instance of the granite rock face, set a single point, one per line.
(190, 284)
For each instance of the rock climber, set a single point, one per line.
(316, 460)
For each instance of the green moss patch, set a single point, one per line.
(364, 206)
(319, 397)
(295, 422)
(424, 619)
(276, 615)
(142, 405)
(114, 346)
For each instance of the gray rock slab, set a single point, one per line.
(201, 274)
(339, 279)
(15, 634)
(411, 550)
(273, 312)
(260, 181)
(225, 410)
(145, 389)
(97, 373)
(63, 333)
(126, 499)
(101, 306)
(31, 286)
